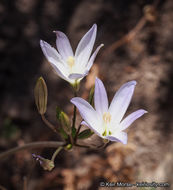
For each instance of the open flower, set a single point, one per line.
(69, 66)
(107, 121)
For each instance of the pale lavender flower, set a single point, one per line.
(69, 66)
(108, 122)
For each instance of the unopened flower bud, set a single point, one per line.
(40, 93)
(64, 120)
(91, 96)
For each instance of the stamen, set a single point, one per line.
(104, 133)
(107, 117)
(106, 120)
(70, 61)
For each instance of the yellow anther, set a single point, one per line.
(104, 133)
(70, 61)
(107, 117)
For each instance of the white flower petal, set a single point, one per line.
(61, 72)
(100, 97)
(119, 137)
(77, 75)
(55, 59)
(92, 58)
(85, 46)
(121, 101)
(63, 45)
(50, 53)
(87, 112)
(93, 129)
(131, 118)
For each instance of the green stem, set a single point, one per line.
(83, 146)
(41, 144)
(78, 130)
(50, 125)
(74, 111)
(56, 153)
(74, 121)
(74, 117)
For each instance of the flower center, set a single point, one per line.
(106, 117)
(106, 120)
(70, 61)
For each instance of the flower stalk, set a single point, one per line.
(52, 127)
(56, 153)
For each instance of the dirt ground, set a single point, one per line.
(147, 58)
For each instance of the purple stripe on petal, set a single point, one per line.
(122, 100)
(100, 97)
(131, 118)
(85, 46)
(63, 45)
(119, 137)
(87, 112)
(92, 58)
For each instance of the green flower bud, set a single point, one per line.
(40, 93)
(63, 119)
(91, 96)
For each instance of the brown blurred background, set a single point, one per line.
(147, 57)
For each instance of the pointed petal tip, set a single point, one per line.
(121, 137)
(96, 78)
(84, 123)
(41, 42)
(98, 81)
(130, 83)
(55, 32)
(124, 141)
(73, 100)
(133, 82)
(144, 111)
(58, 33)
(94, 25)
